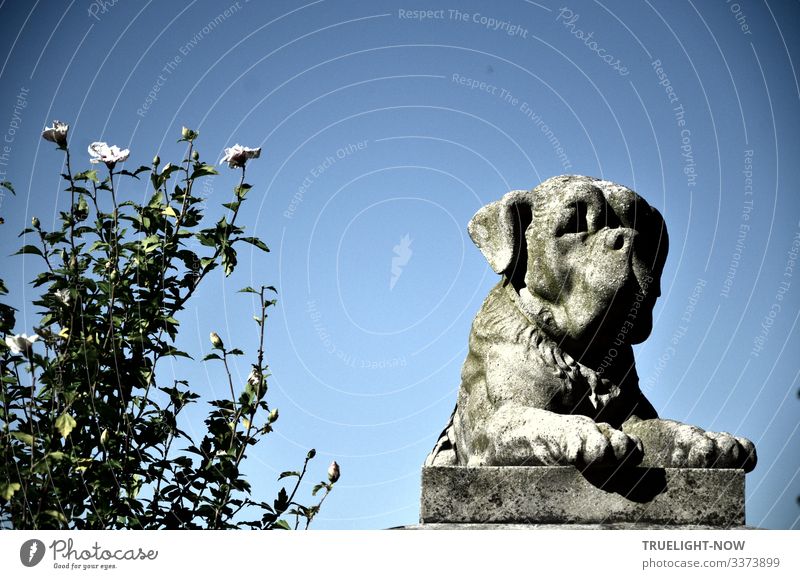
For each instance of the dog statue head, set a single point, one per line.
(584, 255)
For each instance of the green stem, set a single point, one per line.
(319, 504)
(72, 203)
(230, 381)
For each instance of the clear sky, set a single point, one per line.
(382, 134)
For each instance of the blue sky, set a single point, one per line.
(382, 134)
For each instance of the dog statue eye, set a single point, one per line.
(575, 220)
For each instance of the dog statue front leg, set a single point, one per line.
(668, 443)
(525, 436)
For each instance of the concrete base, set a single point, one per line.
(598, 498)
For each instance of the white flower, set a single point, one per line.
(333, 472)
(63, 296)
(238, 155)
(102, 153)
(21, 343)
(56, 134)
(254, 378)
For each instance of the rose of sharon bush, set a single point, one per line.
(90, 431)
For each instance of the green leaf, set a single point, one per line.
(254, 241)
(135, 173)
(212, 357)
(282, 502)
(204, 170)
(247, 290)
(205, 239)
(242, 190)
(151, 243)
(23, 437)
(90, 175)
(30, 249)
(283, 525)
(228, 260)
(65, 423)
(57, 515)
(168, 170)
(289, 473)
(7, 490)
(156, 200)
(9, 186)
(56, 455)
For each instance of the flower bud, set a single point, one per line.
(35, 222)
(188, 134)
(216, 341)
(333, 472)
(273, 416)
(114, 275)
(195, 155)
(156, 160)
(104, 437)
(73, 262)
(311, 454)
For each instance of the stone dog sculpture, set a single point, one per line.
(550, 377)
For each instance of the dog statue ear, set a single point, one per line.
(498, 229)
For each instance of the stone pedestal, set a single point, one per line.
(455, 496)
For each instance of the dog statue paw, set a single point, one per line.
(550, 377)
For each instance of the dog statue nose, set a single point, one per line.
(616, 239)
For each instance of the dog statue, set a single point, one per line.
(550, 377)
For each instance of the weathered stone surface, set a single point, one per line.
(560, 527)
(550, 377)
(636, 498)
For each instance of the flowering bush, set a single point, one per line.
(89, 436)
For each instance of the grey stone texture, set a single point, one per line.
(538, 497)
(550, 378)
